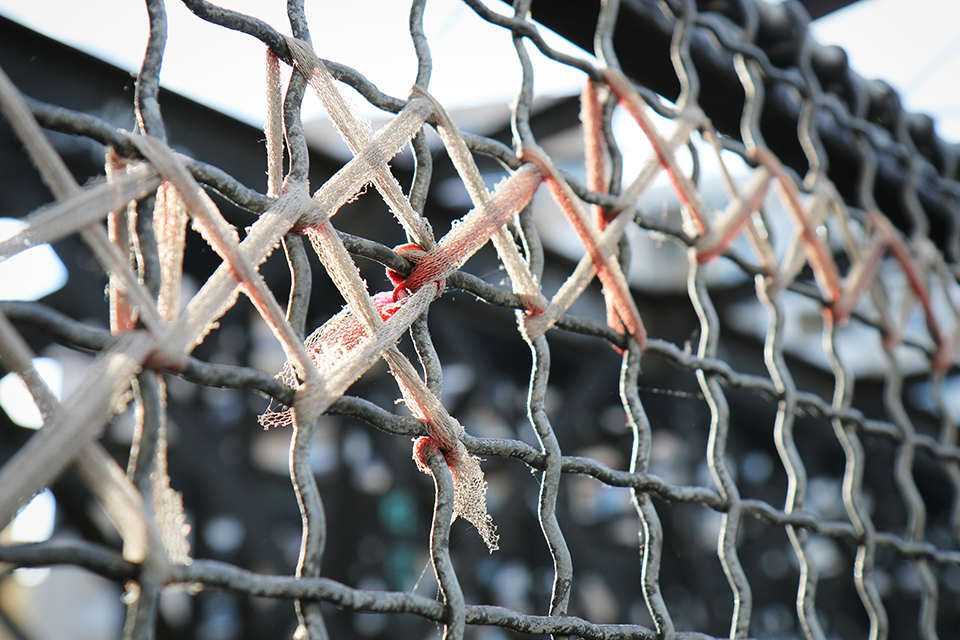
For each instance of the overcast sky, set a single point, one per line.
(224, 69)
(914, 44)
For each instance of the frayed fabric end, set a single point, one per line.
(469, 486)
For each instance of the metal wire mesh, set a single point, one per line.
(807, 540)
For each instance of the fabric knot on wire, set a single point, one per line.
(404, 285)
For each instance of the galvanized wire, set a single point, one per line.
(922, 263)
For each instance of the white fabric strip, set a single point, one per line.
(533, 326)
(54, 173)
(356, 132)
(522, 280)
(342, 368)
(273, 127)
(636, 107)
(222, 236)
(469, 485)
(604, 259)
(90, 204)
(170, 230)
(356, 174)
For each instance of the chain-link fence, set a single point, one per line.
(735, 296)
